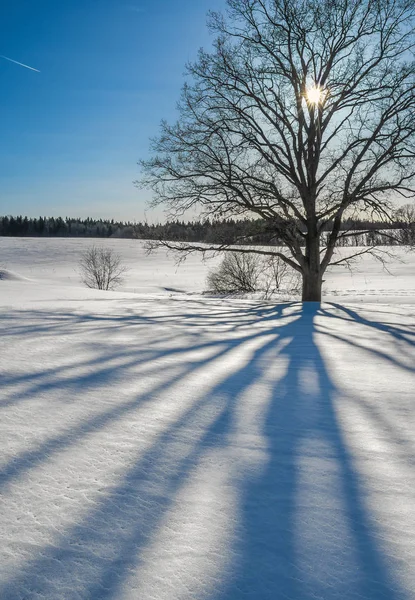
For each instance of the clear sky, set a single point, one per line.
(110, 70)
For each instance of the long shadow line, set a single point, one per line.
(385, 425)
(370, 350)
(396, 331)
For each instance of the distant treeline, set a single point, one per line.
(193, 231)
(58, 227)
(248, 231)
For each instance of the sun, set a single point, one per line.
(315, 94)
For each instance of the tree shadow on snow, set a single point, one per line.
(262, 449)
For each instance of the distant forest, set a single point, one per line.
(250, 232)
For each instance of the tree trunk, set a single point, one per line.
(312, 274)
(312, 282)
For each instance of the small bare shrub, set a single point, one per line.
(245, 272)
(101, 268)
(279, 277)
(238, 272)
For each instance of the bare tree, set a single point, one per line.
(405, 215)
(303, 114)
(101, 268)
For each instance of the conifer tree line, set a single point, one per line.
(246, 231)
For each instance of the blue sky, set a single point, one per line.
(72, 134)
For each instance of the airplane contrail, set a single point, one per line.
(19, 63)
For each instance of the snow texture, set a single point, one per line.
(167, 445)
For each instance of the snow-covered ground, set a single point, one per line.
(157, 443)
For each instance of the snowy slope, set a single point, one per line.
(166, 445)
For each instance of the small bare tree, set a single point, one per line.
(236, 273)
(405, 215)
(101, 268)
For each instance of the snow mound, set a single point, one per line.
(11, 275)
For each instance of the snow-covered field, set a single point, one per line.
(157, 443)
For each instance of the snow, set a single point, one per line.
(158, 443)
